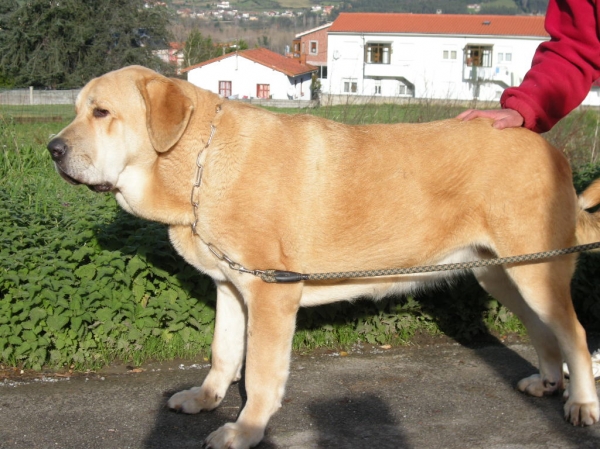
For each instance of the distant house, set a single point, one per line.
(311, 47)
(172, 55)
(254, 73)
(438, 56)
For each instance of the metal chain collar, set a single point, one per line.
(196, 204)
(279, 276)
(198, 182)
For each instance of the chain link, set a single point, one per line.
(198, 181)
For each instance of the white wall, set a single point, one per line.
(245, 74)
(593, 98)
(419, 60)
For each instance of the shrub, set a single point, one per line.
(82, 284)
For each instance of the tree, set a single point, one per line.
(533, 6)
(198, 49)
(263, 41)
(238, 45)
(5, 9)
(64, 43)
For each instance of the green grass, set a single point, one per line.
(50, 112)
(294, 4)
(509, 4)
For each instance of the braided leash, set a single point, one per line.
(278, 276)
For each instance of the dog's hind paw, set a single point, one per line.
(194, 400)
(582, 414)
(234, 436)
(536, 386)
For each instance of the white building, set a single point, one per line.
(433, 56)
(254, 73)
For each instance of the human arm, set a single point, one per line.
(562, 72)
(563, 69)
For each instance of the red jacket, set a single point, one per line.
(563, 69)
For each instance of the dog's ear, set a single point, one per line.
(168, 111)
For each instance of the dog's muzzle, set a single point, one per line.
(58, 148)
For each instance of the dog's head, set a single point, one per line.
(124, 119)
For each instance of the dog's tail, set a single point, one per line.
(588, 223)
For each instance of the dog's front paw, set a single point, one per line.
(536, 386)
(234, 436)
(582, 414)
(194, 400)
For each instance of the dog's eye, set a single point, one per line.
(100, 113)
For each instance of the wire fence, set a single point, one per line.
(31, 105)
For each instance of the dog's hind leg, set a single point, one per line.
(540, 296)
(550, 379)
(272, 312)
(228, 349)
(546, 289)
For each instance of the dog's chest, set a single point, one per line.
(194, 251)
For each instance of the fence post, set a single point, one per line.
(30, 94)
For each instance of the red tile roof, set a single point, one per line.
(268, 58)
(461, 24)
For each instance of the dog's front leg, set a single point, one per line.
(227, 354)
(272, 312)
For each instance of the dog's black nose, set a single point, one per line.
(58, 148)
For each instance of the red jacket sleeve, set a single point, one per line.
(563, 69)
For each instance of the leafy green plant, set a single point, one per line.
(73, 292)
(81, 282)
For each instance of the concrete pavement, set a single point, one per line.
(436, 396)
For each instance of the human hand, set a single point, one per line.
(503, 118)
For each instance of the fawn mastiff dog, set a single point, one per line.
(304, 194)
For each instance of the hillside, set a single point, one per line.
(274, 23)
(508, 7)
(414, 6)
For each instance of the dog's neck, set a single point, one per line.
(167, 194)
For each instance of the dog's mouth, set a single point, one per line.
(66, 177)
(99, 188)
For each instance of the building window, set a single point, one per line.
(504, 57)
(478, 55)
(377, 89)
(350, 86)
(450, 54)
(323, 72)
(403, 89)
(263, 91)
(314, 47)
(225, 88)
(378, 53)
